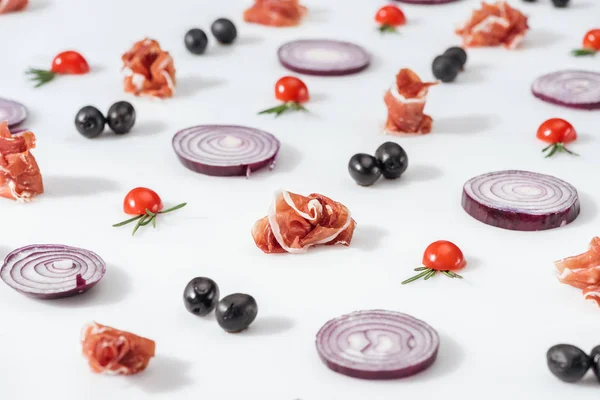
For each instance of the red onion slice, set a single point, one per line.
(225, 150)
(51, 271)
(426, 2)
(323, 57)
(570, 88)
(377, 344)
(12, 112)
(520, 200)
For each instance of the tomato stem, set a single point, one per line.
(40, 76)
(429, 273)
(557, 147)
(278, 110)
(387, 29)
(147, 218)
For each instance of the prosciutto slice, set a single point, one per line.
(112, 352)
(405, 102)
(583, 271)
(20, 177)
(493, 25)
(297, 222)
(275, 13)
(149, 71)
(7, 6)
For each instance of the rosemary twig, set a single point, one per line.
(40, 76)
(387, 29)
(278, 110)
(584, 52)
(148, 218)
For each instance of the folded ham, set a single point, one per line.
(493, 25)
(405, 102)
(20, 177)
(275, 12)
(583, 271)
(7, 6)
(148, 70)
(297, 222)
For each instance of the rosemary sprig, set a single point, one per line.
(289, 106)
(584, 52)
(428, 273)
(40, 76)
(148, 218)
(557, 148)
(387, 29)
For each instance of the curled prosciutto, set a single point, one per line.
(275, 13)
(493, 25)
(7, 6)
(20, 177)
(113, 352)
(583, 271)
(149, 71)
(405, 102)
(297, 222)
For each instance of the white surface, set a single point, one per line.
(495, 326)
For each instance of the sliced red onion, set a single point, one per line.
(570, 88)
(323, 57)
(225, 150)
(520, 200)
(426, 2)
(377, 344)
(51, 271)
(12, 112)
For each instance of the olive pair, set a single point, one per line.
(222, 29)
(569, 363)
(234, 313)
(447, 66)
(90, 122)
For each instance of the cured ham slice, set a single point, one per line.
(583, 271)
(493, 25)
(275, 13)
(297, 222)
(405, 102)
(149, 71)
(113, 352)
(20, 177)
(7, 6)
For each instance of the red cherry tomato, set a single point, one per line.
(139, 199)
(292, 89)
(390, 16)
(556, 130)
(443, 256)
(592, 40)
(70, 62)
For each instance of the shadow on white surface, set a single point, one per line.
(318, 15)
(589, 211)
(190, 85)
(318, 97)
(463, 124)
(368, 237)
(449, 359)
(38, 5)
(73, 186)
(540, 38)
(112, 289)
(269, 325)
(472, 74)
(578, 5)
(584, 138)
(287, 159)
(164, 374)
(223, 49)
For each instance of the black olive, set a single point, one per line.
(236, 312)
(568, 363)
(364, 169)
(201, 296)
(392, 159)
(595, 358)
(121, 117)
(90, 122)
(529, 1)
(458, 53)
(445, 68)
(560, 3)
(196, 41)
(224, 31)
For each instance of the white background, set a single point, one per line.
(495, 326)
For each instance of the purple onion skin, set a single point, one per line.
(234, 170)
(307, 71)
(516, 221)
(381, 375)
(578, 106)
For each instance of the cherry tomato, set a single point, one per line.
(443, 256)
(592, 40)
(70, 62)
(139, 199)
(556, 130)
(292, 89)
(390, 16)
